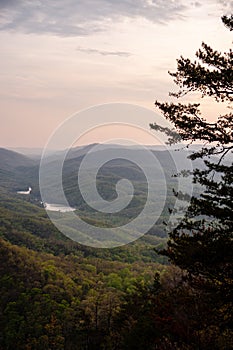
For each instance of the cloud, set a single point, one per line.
(82, 17)
(85, 17)
(196, 4)
(226, 5)
(104, 52)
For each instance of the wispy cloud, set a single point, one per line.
(196, 4)
(104, 52)
(82, 17)
(227, 5)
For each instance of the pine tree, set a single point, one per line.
(202, 242)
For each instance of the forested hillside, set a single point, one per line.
(56, 293)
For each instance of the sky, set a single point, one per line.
(60, 57)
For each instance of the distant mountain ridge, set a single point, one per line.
(14, 170)
(10, 160)
(18, 173)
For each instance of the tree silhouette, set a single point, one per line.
(202, 242)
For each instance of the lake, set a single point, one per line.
(58, 207)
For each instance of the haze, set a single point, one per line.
(60, 57)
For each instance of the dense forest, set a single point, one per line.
(158, 292)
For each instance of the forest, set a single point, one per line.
(171, 289)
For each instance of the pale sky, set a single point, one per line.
(59, 57)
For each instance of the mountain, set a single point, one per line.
(24, 172)
(50, 285)
(10, 160)
(166, 165)
(14, 168)
(54, 292)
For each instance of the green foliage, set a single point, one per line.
(169, 314)
(58, 302)
(55, 293)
